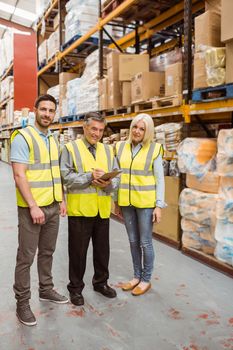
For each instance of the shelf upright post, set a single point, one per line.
(60, 3)
(137, 38)
(100, 44)
(187, 50)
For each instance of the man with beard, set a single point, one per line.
(35, 163)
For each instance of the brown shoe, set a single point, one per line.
(139, 291)
(128, 286)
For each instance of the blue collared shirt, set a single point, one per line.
(20, 149)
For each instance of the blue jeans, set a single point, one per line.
(138, 222)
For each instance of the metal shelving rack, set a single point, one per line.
(182, 11)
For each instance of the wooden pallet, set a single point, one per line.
(109, 6)
(143, 106)
(168, 101)
(117, 111)
(221, 92)
(170, 242)
(209, 260)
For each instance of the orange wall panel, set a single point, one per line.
(25, 71)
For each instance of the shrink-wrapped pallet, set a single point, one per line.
(225, 153)
(198, 206)
(224, 253)
(215, 66)
(197, 156)
(208, 183)
(224, 232)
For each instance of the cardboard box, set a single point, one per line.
(146, 85)
(172, 190)
(114, 87)
(174, 79)
(113, 73)
(129, 65)
(170, 223)
(226, 21)
(103, 102)
(199, 75)
(209, 183)
(213, 5)
(114, 94)
(114, 101)
(65, 77)
(229, 60)
(207, 31)
(113, 59)
(126, 93)
(103, 86)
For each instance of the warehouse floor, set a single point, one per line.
(189, 307)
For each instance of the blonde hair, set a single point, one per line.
(149, 127)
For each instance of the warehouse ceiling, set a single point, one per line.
(22, 12)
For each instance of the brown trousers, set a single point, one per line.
(30, 238)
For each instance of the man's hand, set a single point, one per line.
(117, 210)
(37, 215)
(101, 183)
(157, 213)
(97, 173)
(63, 208)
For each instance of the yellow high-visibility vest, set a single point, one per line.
(137, 182)
(43, 172)
(91, 200)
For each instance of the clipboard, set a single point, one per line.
(110, 175)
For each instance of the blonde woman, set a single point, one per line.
(140, 197)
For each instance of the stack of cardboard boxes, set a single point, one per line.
(207, 35)
(227, 36)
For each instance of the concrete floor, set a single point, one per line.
(189, 307)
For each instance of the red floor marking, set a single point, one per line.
(174, 314)
(76, 313)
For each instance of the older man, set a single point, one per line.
(83, 162)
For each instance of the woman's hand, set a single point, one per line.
(157, 213)
(117, 210)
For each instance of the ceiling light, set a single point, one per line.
(18, 12)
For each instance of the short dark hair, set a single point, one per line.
(45, 97)
(94, 116)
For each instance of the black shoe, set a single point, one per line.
(106, 291)
(76, 299)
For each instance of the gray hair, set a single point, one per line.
(94, 116)
(149, 125)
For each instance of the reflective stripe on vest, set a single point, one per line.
(91, 200)
(137, 184)
(43, 172)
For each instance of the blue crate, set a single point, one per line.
(201, 95)
(71, 118)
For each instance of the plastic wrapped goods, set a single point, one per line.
(198, 236)
(197, 156)
(225, 153)
(226, 188)
(224, 232)
(166, 167)
(208, 183)
(215, 66)
(198, 206)
(224, 252)
(215, 57)
(169, 134)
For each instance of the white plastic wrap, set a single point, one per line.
(224, 232)
(197, 156)
(225, 153)
(198, 206)
(224, 253)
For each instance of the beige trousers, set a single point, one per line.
(30, 238)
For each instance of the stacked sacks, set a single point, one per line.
(198, 211)
(224, 225)
(197, 156)
(198, 208)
